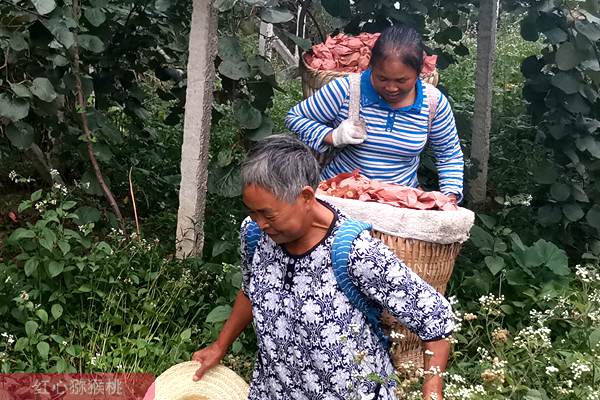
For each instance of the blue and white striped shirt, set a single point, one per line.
(395, 137)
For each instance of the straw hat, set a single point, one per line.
(219, 383)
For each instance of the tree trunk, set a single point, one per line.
(196, 130)
(482, 115)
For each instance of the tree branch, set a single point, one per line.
(84, 119)
(306, 8)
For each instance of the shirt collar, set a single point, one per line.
(368, 95)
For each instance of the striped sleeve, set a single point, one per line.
(313, 118)
(445, 144)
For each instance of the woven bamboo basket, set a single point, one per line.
(314, 79)
(434, 263)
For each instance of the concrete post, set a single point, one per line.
(196, 130)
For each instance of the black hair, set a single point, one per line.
(401, 41)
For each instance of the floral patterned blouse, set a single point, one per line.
(313, 344)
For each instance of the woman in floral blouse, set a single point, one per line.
(312, 342)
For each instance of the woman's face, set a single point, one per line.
(392, 79)
(283, 222)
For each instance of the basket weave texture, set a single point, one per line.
(434, 263)
(314, 79)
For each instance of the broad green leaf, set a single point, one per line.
(162, 5)
(226, 182)
(20, 90)
(67, 205)
(90, 183)
(593, 216)
(304, 44)
(186, 335)
(55, 268)
(554, 258)
(337, 8)
(18, 42)
(87, 214)
(56, 310)
(95, 16)
(590, 144)
(42, 315)
(43, 348)
(102, 152)
(576, 104)
(276, 15)
(533, 394)
(20, 234)
(219, 314)
(516, 277)
(556, 35)
(230, 49)
(42, 88)
(495, 264)
(573, 212)
(545, 173)
(91, 43)
(21, 344)
(20, 134)
(566, 56)
(30, 266)
(589, 30)
(60, 31)
(560, 191)
(549, 215)
(59, 60)
(61, 366)
(30, 328)
(44, 6)
(13, 109)
(235, 70)
(567, 82)
(35, 196)
(262, 65)
(247, 116)
(481, 238)
(488, 220)
(84, 289)
(224, 5)
(265, 129)
(594, 338)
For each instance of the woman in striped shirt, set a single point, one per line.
(396, 122)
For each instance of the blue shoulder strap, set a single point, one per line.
(342, 244)
(340, 253)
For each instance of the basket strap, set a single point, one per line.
(354, 103)
(432, 102)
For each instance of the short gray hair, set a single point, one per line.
(281, 164)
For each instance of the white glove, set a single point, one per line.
(349, 132)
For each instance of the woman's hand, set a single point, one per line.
(208, 357)
(349, 132)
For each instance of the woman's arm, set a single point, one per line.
(445, 144)
(241, 316)
(436, 357)
(313, 119)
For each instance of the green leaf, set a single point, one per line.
(576, 104)
(265, 129)
(84, 289)
(304, 44)
(567, 82)
(488, 221)
(573, 212)
(516, 277)
(43, 315)
(186, 335)
(481, 238)
(545, 173)
(87, 214)
(549, 215)
(556, 35)
(560, 191)
(590, 144)
(235, 70)
(17, 42)
(95, 16)
(224, 5)
(60, 31)
(533, 394)
(44, 6)
(226, 182)
(276, 15)
(247, 116)
(20, 134)
(30, 328)
(43, 348)
(59, 60)
(555, 258)
(67, 205)
(13, 109)
(56, 310)
(20, 90)
(91, 43)
(20, 234)
(566, 56)
(230, 49)
(55, 268)
(593, 216)
(30, 266)
(21, 344)
(589, 30)
(495, 264)
(42, 88)
(337, 8)
(594, 338)
(219, 314)
(262, 65)
(162, 5)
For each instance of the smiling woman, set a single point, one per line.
(306, 269)
(398, 112)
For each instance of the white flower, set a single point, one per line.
(551, 370)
